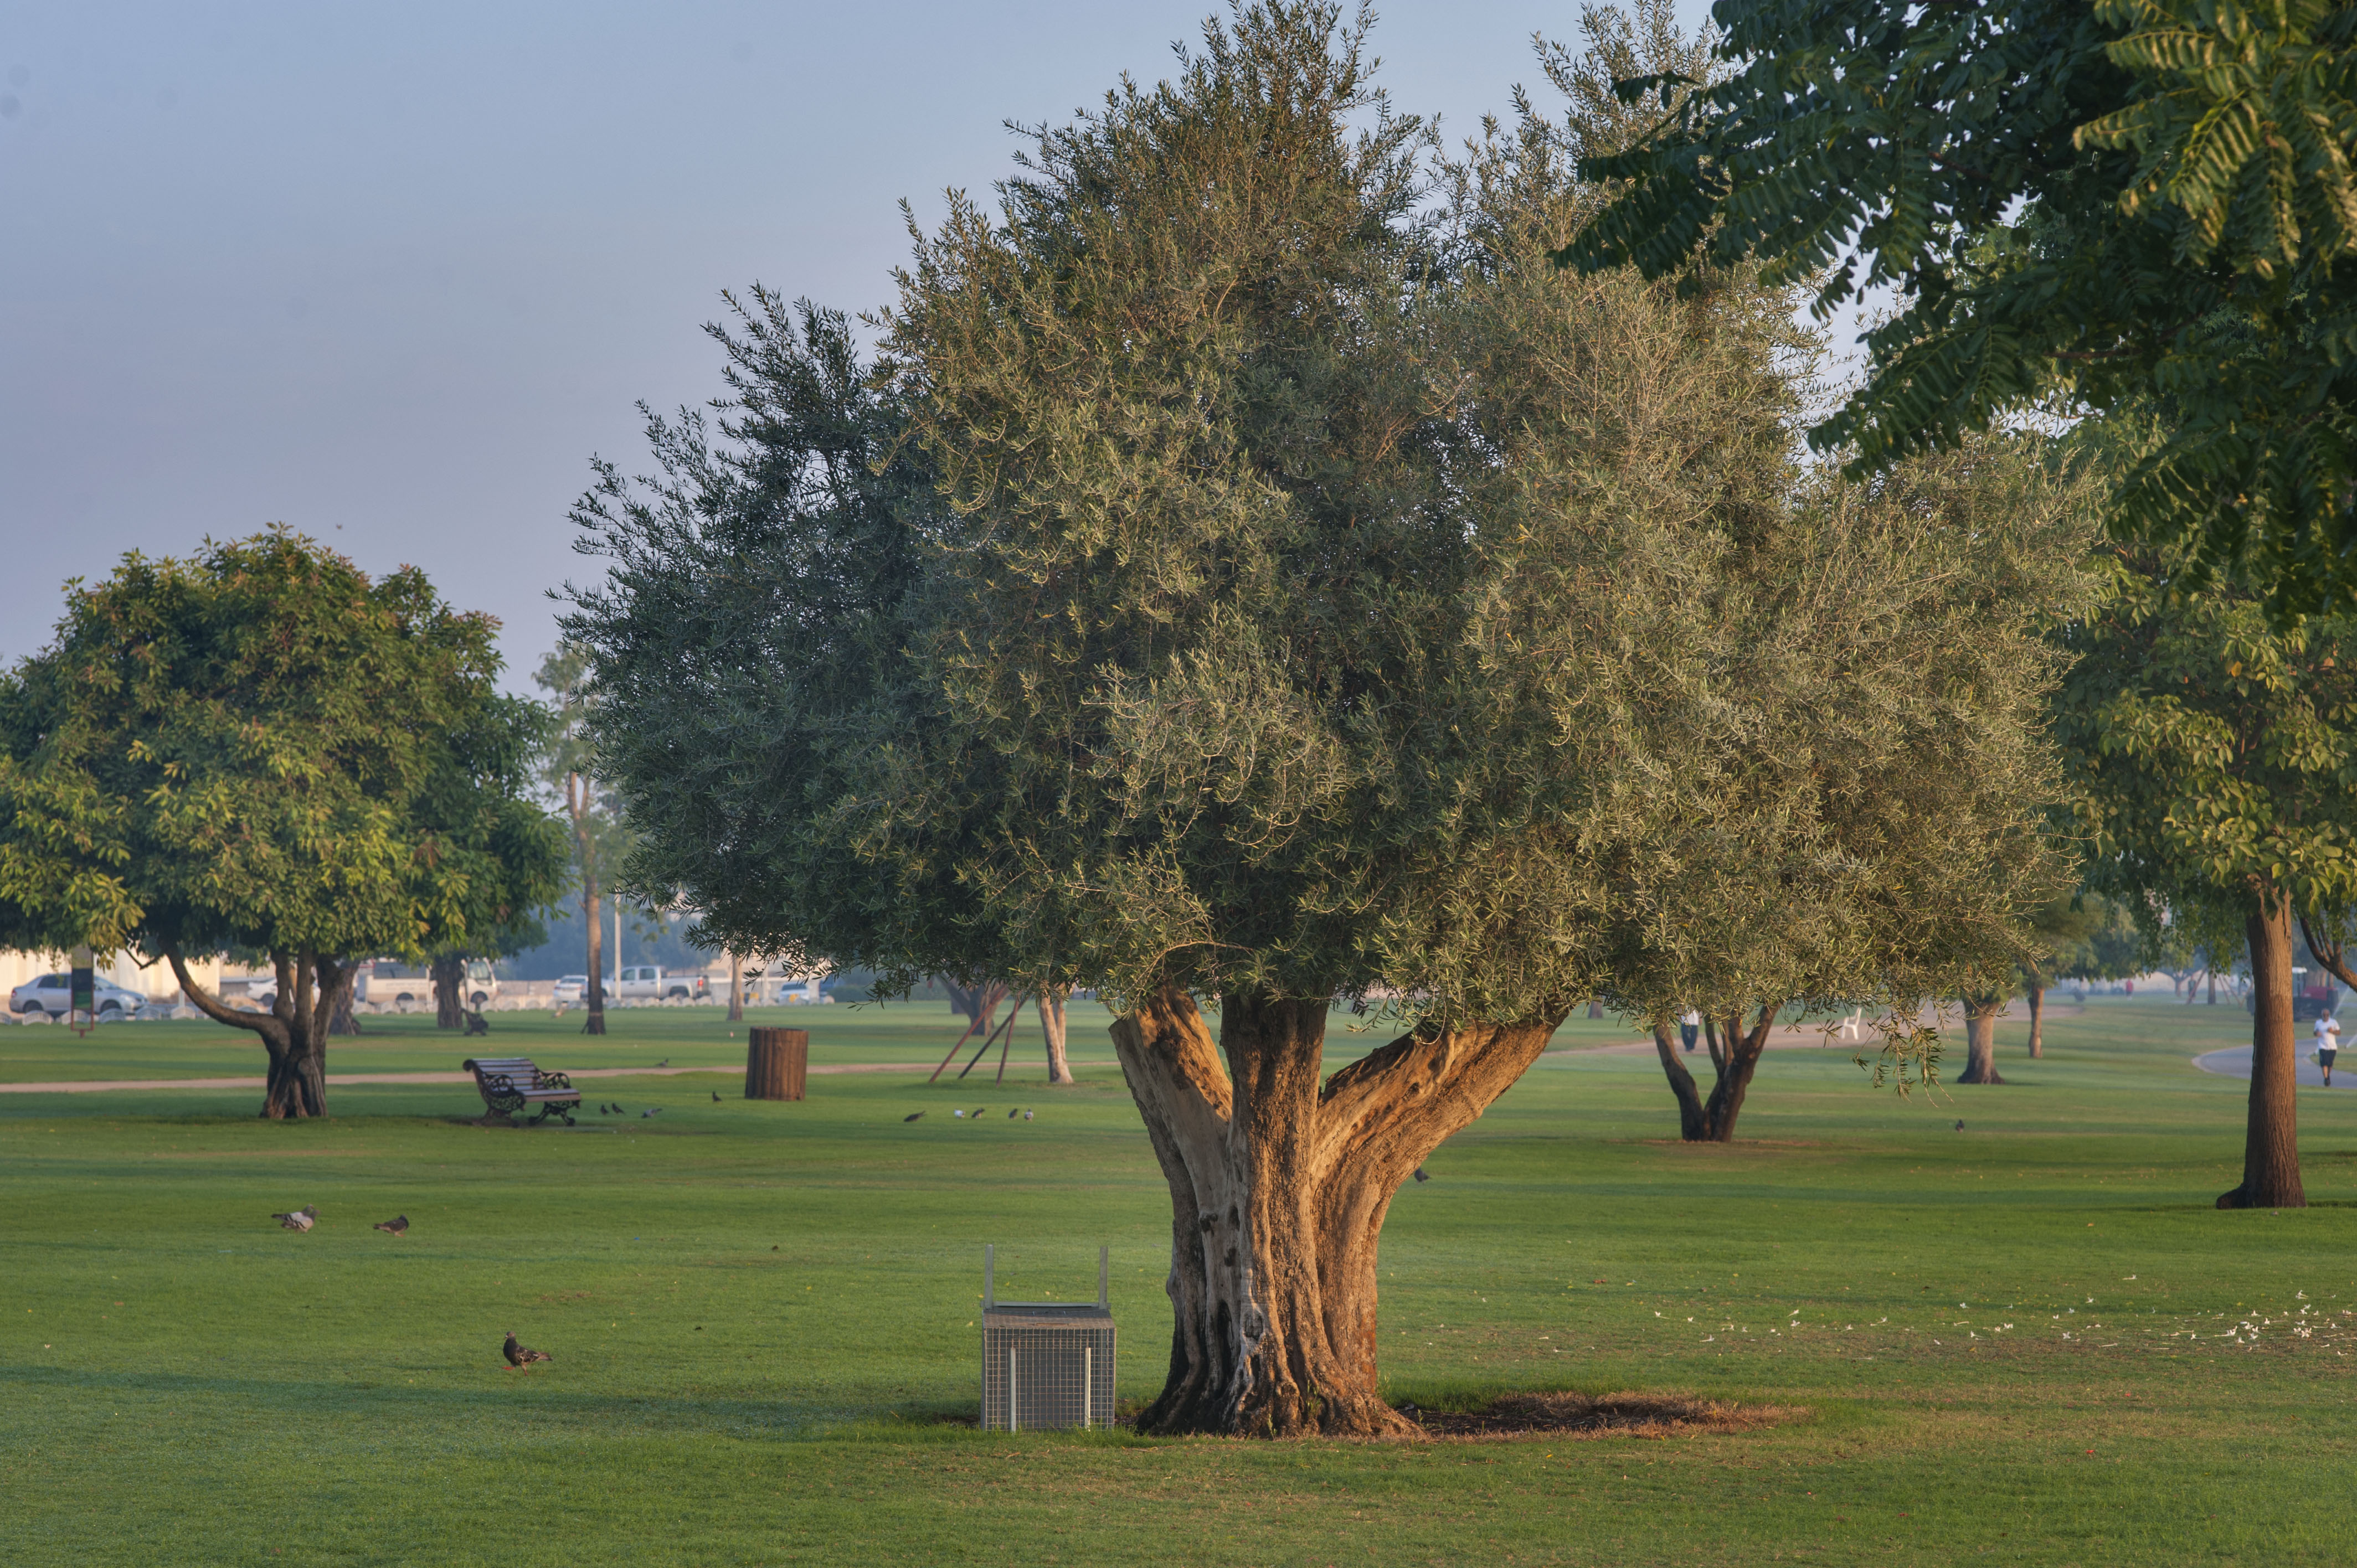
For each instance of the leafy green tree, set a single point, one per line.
(2105, 204)
(2216, 752)
(2083, 936)
(261, 748)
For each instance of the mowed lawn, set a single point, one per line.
(2022, 1341)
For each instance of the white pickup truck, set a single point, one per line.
(646, 982)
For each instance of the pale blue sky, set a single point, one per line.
(392, 274)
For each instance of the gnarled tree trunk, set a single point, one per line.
(294, 1032)
(2037, 1020)
(1980, 1038)
(1734, 1058)
(2271, 1131)
(1279, 1184)
(1050, 1004)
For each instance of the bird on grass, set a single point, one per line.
(958, 1114)
(520, 1355)
(716, 1098)
(1420, 1176)
(396, 1226)
(975, 1113)
(1011, 1115)
(1026, 1116)
(300, 1220)
(644, 1114)
(913, 1118)
(1959, 1124)
(665, 1062)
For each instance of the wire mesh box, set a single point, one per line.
(1045, 1363)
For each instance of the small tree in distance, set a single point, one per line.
(260, 748)
(599, 838)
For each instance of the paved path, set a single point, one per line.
(88, 1085)
(2235, 1062)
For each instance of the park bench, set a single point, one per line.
(508, 1084)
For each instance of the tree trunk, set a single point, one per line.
(2213, 988)
(2271, 1134)
(449, 974)
(2037, 1020)
(1734, 1058)
(294, 1032)
(1278, 1189)
(1050, 1004)
(1980, 1038)
(341, 1019)
(595, 1024)
(735, 989)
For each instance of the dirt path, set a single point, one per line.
(90, 1086)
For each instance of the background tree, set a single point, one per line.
(2085, 936)
(600, 836)
(2101, 204)
(261, 748)
(2215, 753)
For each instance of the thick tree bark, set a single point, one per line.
(294, 1032)
(2271, 1132)
(1050, 1004)
(1734, 1057)
(2037, 1020)
(449, 974)
(1980, 1038)
(735, 989)
(1278, 1189)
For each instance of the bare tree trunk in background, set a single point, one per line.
(449, 974)
(1279, 1184)
(735, 989)
(1980, 1038)
(577, 803)
(1049, 1005)
(341, 1018)
(2036, 1019)
(2271, 1133)
(1734, 1058)
(2213, 988)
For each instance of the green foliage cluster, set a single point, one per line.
(260, 748)
(1252, 565)
(2106, 205)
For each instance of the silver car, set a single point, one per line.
(53, 994)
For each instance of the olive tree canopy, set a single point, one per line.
(1293, 583)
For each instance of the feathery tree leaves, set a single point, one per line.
(2141, 201)
(260, 748)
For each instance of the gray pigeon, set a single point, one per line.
(665, 1062)
(911, 1118)
(300, 1220)
(1026, 1116)
(520, 1355)
(644, 1114)
(396, 1226)
(1420, 1176)
(716, 1098)
(1011, 1115)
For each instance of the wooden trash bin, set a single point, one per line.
(776, 1061)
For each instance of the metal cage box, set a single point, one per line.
(1045, 1363)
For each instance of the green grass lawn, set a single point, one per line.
(2019, 1342)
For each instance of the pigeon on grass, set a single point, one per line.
(1012, 1115)
(1026, 1116)
(1420, 1176)
(520, 1355)
(644, 1114)
(716, 1098)
(396, 1226)
(300, 1220)
(912, 1117)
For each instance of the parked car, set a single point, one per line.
(53, 994)
(573, 991)
(646, 982)
(389, 983)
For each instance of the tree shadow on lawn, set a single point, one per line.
(1566, 1416)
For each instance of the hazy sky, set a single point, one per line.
(392, 274)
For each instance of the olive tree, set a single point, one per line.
(1244, 582)
(260, 748)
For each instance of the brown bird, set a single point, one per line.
(300, 1220)
(520, 1355)
(396, 1226)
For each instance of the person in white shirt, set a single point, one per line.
(1689, 1027)
(2328, 1044)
